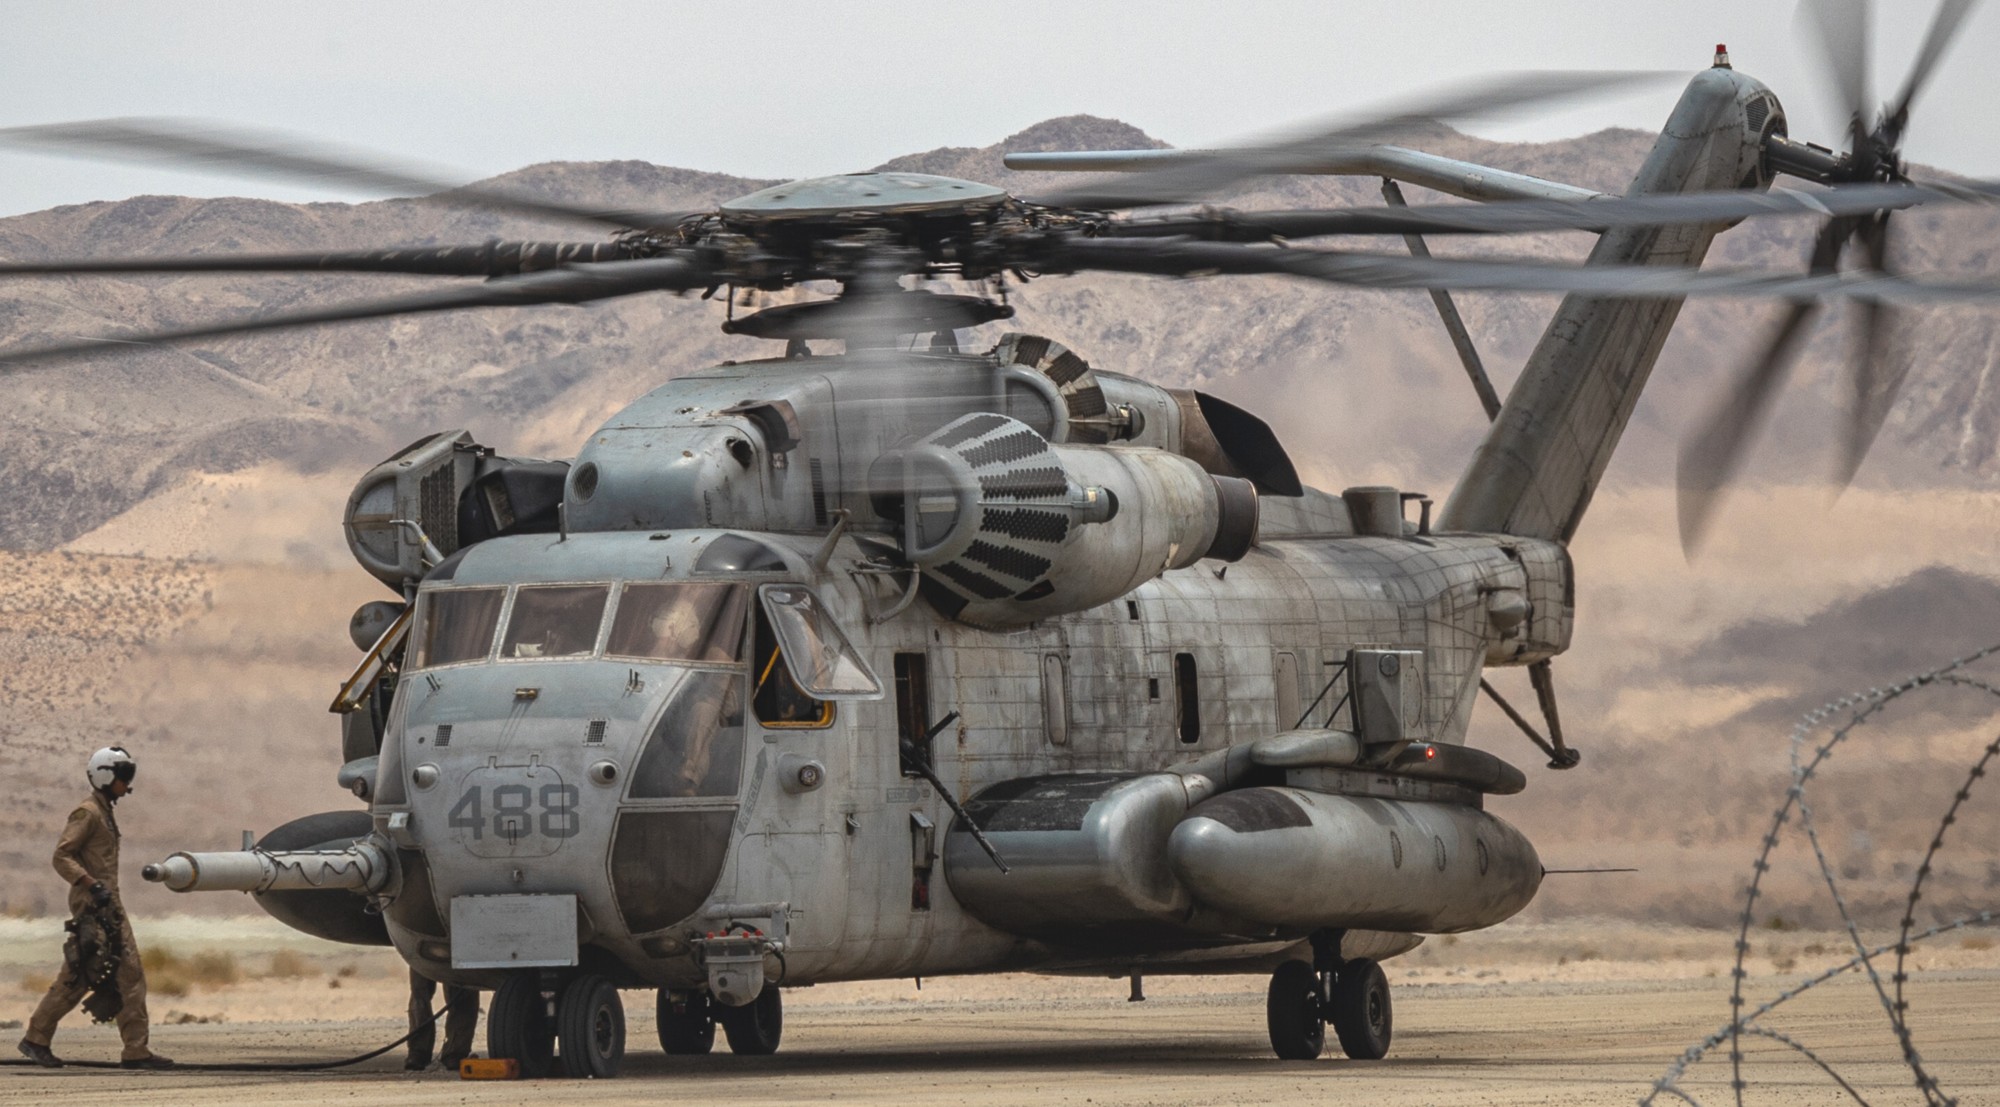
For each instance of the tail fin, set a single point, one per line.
(1541, 461)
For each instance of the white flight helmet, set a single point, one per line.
(109, 764)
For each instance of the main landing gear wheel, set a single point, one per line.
(1360, 1010)
(590, 1026)
(518, 1026)
(754, 1028)
(1292, 1012)
(687, 1023)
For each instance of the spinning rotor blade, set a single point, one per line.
(210, 148)
(1179, 258)
(1840, 28)
(574, 285)
(1525, 216)
(1880, 371)
(1944, 28)
(492, 259)
(1711, 457)
(1212, 171)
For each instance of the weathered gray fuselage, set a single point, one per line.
(1095, 691)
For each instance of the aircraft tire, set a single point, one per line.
(754, 1028)
(518, 1026)
(687, 1027)
(1360, 1010)
(1292, 1012)
(590, 1028)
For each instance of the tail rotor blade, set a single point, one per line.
(1841, 28)
(1944, 28)
(1712, 456)
(1880, 368)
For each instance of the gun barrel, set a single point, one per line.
(361, 867)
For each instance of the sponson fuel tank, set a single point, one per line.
(1111, 856)
(1296, 858)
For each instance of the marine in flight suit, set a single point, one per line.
(86, 858)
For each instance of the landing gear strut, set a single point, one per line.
(1305, 996)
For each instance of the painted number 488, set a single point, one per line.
(514, 811)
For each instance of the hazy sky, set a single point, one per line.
(781, 89)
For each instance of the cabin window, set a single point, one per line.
(1055, 700)
(913, 712)
(455, 625)
(1285, 683)
(679, 622)
(555, 620)
(1187, 697)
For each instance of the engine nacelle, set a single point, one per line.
(1011, 528)
(442, 493)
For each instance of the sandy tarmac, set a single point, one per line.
(1502, 1018)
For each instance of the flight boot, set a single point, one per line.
(40, 1054)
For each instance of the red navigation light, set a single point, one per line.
(1721, 55)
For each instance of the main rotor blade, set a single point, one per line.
(575, 285)
(1526, 216)
(492, 259)
(213, 148)
(1212, 171)
(1841, 29)
(1944, 28)
(1180, 258)
(1710, 458)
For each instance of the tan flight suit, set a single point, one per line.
(87, 853)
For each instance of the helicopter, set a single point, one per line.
(912, 660)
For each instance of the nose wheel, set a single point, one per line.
(530, 1018)
(590, 1028)
(754, 1028)
(1352, 995)
(518, 1026)
(686, 1021)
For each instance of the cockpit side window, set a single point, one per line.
(455, 625)
(555, 621)
(778, 699)
(818, 654)
(679, 622)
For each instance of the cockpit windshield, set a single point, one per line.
(456, 625)
(555, 621)
(679, 622)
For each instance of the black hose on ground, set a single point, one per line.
(249, 1066)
